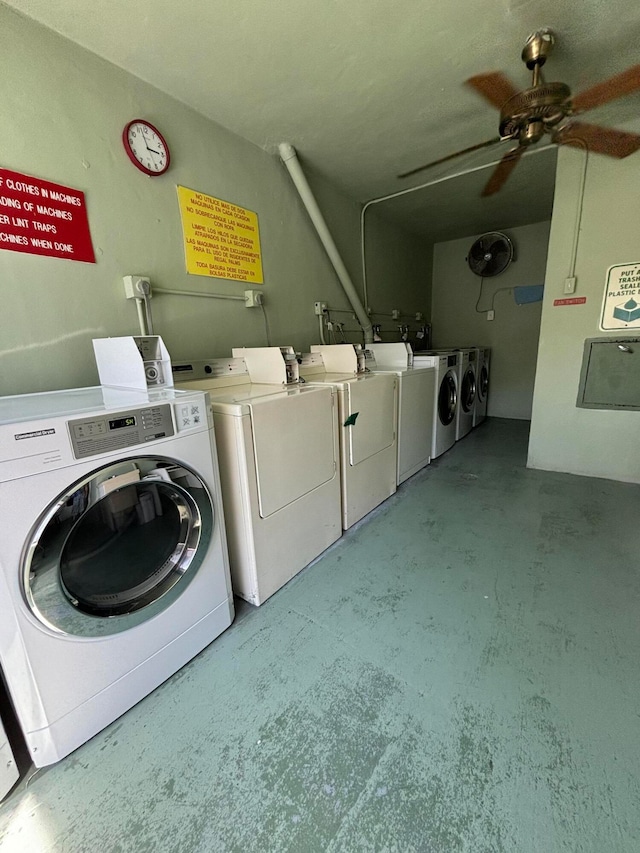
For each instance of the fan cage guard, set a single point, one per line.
(496, 244)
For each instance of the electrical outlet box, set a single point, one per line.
(252, 298)
(319, 308)
(570, 284)
(491, 315)
(395, 314)
(136, 286)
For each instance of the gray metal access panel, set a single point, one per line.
(610, 376)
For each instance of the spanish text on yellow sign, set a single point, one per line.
(220, 238)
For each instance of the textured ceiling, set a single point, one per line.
(363, 89)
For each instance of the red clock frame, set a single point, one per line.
(132, 156)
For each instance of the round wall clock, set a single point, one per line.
(146, 147)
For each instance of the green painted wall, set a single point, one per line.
(563, 437)
(513, 334)
(63, 110)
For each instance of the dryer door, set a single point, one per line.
(447, 398)
(117, 547)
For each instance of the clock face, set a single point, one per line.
(146, 147)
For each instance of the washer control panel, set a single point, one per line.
(118, 430)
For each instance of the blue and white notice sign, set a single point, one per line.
(621, 302)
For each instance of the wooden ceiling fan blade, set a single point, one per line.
(601, 140)
(494, 87)
(502, 172)
(615, 87)
(450, 157)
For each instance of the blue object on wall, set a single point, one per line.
(529, 293)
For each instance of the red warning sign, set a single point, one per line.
(572, 300)
(42, 218)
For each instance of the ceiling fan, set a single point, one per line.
(528, 115)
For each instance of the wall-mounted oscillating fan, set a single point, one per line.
(491, 254)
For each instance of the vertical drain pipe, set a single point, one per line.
(290, 159)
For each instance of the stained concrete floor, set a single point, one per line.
(458, 673)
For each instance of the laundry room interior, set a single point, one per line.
(388, 627)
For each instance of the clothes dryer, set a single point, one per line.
(483, 357)
(416, 402)
(279, 465)
(113, 562)
(467, 384)
(367, 406)
(446, 398)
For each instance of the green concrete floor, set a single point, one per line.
(458, 673)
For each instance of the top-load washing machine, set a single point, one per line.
(113, 562)
(279, 465)
(467, 384)
(367, 405)
(446, 397)
(482, 370)
(416, 393)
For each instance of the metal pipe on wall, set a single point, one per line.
(290, 159)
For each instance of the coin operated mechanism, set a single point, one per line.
(141, 362)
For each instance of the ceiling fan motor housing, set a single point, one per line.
(547, 103)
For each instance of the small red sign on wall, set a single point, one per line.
(572, 300)
(42, 218)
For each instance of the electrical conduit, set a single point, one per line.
(290, 159)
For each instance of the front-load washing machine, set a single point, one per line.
(113, 562)
(416, 392)
(279, 466)
(367, 406)
(446, 398)
(467, 384)
(8, 768)
(482, 369)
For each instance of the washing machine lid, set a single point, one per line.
(71, 401)
(294, 446)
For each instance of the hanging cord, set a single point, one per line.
(266, 324)
(480, 296)
(583, 176)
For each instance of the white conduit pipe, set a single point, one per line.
(197, 293)
(290, 159)
(142, 318)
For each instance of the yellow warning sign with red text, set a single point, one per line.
(221, 239)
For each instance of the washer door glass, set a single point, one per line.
(117, 547)
(447, 399)
(483, 385)
(468, 391)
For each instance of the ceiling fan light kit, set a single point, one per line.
(547, 108)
